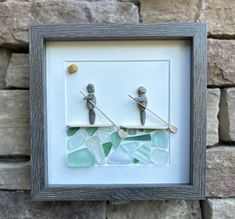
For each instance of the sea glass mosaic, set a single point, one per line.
(87, 147)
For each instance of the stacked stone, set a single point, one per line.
(15, 16)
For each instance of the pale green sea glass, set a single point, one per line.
(80, 158)
(93, 143)
(77, 139)
(119, 156)
(142, 153)
(159, 156)
(160, 139)
(104, 134)
(115, 139)
(130, 146)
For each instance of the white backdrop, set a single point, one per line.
(118, 68)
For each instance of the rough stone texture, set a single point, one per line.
(18, 71)
(219, 209)
(227, 115)
(15, 17)
(14, 127)
(4, 60)
(14, 175)
(155, 209)
(220, 175)
(213, 99)
(152, 11)
(219, 16)
(221, 62)
(19, 205)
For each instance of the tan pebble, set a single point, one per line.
(122, 133)
(72, 69)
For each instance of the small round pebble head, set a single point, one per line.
(141, 90)
(91, 88)
(72, 69)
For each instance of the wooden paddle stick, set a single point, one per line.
(121, 132)
(172, 128)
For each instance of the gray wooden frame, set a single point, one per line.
(40, 34)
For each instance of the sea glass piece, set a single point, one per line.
(119, 156)
(140, 138)
(104, 134)
(129, 146)
(107, 129)
(115, 139)
(135, 161)
(159, 156)
(80, 158)
(142, 153)
(131, 131)
(160, 139)
(91, 130)
(93, 143)
(149, 130)
(107, 147)
(71, 131)
(77, 139)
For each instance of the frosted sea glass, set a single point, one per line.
(104, 135)
(80, 158)
(119, 157)
(160, 139)
(130, 146)
(93, 143)
(77, 139)
(159, 156)
(142, 153)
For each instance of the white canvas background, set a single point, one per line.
(117, 68)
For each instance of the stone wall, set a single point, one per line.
(16, 15)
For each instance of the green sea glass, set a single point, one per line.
(80, 158)
(91, 130)
(107, 147)
(72, 131)
(160, 139)
(135, 161)
(115, 139)
(140, 138)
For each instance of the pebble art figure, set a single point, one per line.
(91, 98)
(143, 100)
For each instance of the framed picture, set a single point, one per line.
(118, 112)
